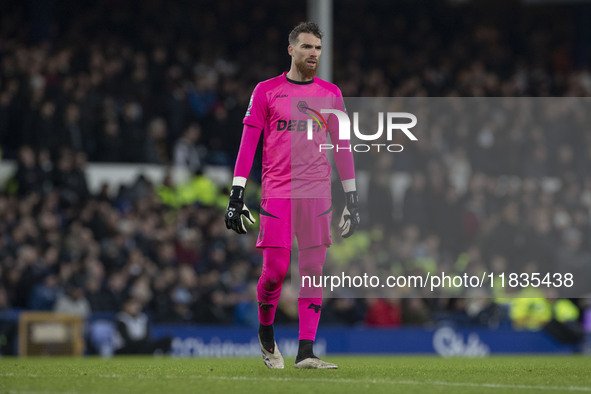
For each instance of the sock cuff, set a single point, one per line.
(316, 300)
(306, 301)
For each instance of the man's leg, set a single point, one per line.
(313, 232)
(275, 238)
(275, 265)
(310, 299)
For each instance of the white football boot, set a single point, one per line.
(314, 363)
(272, 357)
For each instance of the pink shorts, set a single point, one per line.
(308, 219)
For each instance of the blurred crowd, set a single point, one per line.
(168, 83)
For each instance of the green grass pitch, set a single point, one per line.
(356, 374)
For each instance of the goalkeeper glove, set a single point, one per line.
(237, 209)
(350, 217)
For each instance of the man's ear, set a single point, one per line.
(290, 50)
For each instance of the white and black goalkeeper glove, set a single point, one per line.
(237, 209)
(350, 217)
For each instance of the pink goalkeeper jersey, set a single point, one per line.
(293, 165)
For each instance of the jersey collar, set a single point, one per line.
(298, 82)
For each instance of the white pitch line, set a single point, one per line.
(406, 382)
(345, 380)
(14, 391)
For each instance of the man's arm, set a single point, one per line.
(236, 207)
(254, 122)
(345, 166)
(344, 160)
(248, 147)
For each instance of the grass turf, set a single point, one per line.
(533, 374)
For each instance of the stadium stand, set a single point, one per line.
(136, 82)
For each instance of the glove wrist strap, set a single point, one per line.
(237, 193)
(351, 198)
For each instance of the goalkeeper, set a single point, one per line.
(296, 187)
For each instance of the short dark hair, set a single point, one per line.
(304, 27)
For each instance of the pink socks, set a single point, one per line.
(310, 299)
(275, 265)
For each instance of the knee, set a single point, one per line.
(272, 283)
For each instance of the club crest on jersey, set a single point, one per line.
(304, 108)
(303, 125)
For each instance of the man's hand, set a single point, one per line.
(350, 218)
(237, 209)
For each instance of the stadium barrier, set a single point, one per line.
(232, 341)
(189, 341)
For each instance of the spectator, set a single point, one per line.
(113, 293)
(73, 301)
(187, 152)
(70, 178)
(383, 313)
(45, 165)
(133, 332)
(72, 136)
(181, 306)
(132, 133)
(100, 301)
(156, 149)
(44, 295)
(44, 127)
(110, 144)
(415, 201)
(27, 174)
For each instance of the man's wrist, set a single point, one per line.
(352, 199)
(239, 181)
(349, 185)
(237, 193)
